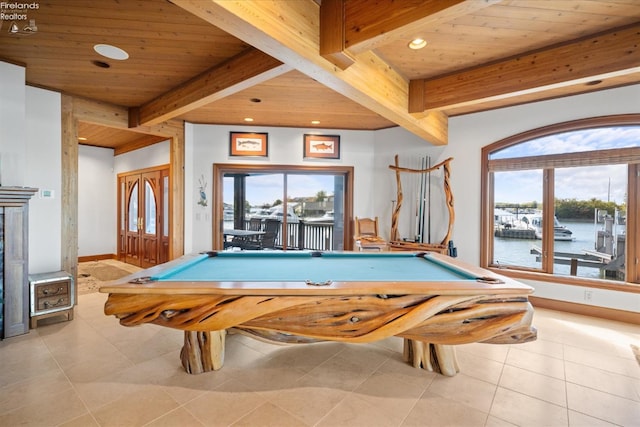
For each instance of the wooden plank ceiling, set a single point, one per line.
(344, 64)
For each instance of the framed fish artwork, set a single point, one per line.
(253, 144)
(321, 146)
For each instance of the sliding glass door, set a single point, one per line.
(308, 207)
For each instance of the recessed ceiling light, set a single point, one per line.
(248, 119)
(256, 100)
(315, 122)
(111, 52)
(417, 44)
(82, 138)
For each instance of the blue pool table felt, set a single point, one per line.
(301, 266)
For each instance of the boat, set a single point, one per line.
(560, 232)
(526, 226)
(276, 212)
(511, 226)
(327, 217)
(227, 213)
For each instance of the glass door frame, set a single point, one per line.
(220, 169)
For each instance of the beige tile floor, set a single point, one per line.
(93, 372)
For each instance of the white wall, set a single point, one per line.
(44, 171)
(13, 157)
(208, 144)
(97, 230)
(30, 154)
(147, 157)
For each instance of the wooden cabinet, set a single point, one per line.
(52, 294)
(14, 260)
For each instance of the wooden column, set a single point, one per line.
(69, 199)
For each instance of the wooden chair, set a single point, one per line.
(367, 237)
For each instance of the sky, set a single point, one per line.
(267, 188)
(607, 183)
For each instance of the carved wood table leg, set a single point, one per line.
(432, 357)
(203, 351)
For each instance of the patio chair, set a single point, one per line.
(255, 224)
(271, 229)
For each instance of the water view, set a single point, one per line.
(510, 251)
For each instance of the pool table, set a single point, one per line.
(431, 300)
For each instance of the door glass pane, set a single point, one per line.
(165, 206)
(258, 199)
(123, 196)
(517, 219)
(317, 200)
(149, 209)
(133, 209)
(265, 203)
(590, 234)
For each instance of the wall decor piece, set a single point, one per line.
(322, 146)
(202, 191)
(248, 144)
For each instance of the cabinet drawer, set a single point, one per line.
(53, 303)
(52, 289)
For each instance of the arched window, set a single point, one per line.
(562, 203)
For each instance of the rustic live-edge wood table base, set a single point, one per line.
(429, 324)
(458, 304)
(204, 352)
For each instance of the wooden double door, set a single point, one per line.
(143, 220)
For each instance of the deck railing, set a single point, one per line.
(317, 236)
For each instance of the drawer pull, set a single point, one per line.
(48, 291)
(58, 303)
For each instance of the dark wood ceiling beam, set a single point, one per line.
(290, 32)
(332, 34)
(368, 27)
(240, 72)
(348, 28)
(611, 54)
